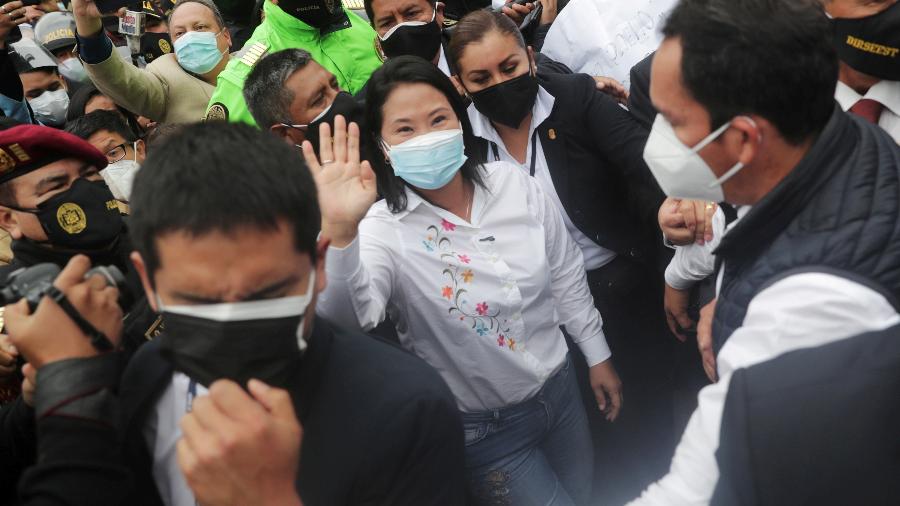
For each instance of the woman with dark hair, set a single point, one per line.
(586, 153)
(475, 268)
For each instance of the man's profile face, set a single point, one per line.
(314, 89)
(689, 119)
(37, 187)
(246, 264)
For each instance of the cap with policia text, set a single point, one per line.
(25, 148)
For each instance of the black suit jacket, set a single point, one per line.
(594, 151)
(639, 103)
(815, 427)
(380, 426)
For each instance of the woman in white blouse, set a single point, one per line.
(474, 266)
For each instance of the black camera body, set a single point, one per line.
(32, 283)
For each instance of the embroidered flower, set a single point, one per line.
(447, 292)
(501, 341)
(448, 227)
(481, 308)
(464, 259)
(467, 275)
(481, 328)
(512, 344)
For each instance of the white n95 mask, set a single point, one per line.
(680, 170)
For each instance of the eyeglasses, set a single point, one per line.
(117, 153)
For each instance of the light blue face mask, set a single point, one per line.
(198, 52)
(428, 161)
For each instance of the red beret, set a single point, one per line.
(25, 148)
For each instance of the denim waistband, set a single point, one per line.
(551, 389)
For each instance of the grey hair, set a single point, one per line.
(209, 4)
(267, 98)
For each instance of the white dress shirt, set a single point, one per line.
(595, 256)
(694, 262)
(162, 432)
(800, 311)
(442, 63)
(887, 93)
(481, 302)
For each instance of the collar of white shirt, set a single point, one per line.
(886, 93)
(482, 127)
(442, 62)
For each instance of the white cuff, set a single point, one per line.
(675, 281)
(343, 263)
(595, 349)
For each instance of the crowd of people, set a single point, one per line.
(395, 252)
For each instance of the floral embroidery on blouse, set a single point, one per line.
(484, 321)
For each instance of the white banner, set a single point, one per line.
(606, 37)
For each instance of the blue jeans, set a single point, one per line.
(538, 452)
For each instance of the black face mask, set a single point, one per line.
(413, 40)
(84, 217)
(509, 102)
(154, 45)
(871, 45)
(345, 105)
(209, 350)
(316, 13)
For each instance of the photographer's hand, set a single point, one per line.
(49, 335)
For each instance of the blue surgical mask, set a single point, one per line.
(198, 52)
(428, 161)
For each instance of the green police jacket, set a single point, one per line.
(348, 53)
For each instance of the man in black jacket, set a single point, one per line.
(78, 433)
(810, 258)
(225, 221)
(816, 426)
(55, 205)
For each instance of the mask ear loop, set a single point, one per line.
(738, 166)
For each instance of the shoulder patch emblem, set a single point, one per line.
(254, 53)
(7, 162)
(218, 112)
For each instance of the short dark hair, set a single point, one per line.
(773, 58)
(268, 100)
(475, 26)
(216, 177)
(98, 120)
(371, 14)
(405, 70)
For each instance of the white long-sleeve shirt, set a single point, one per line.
(799, 311)
(481, 302)
(694, 262)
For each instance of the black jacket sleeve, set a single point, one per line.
(620, 139)
(639, 100)
(18, 442)
(546, 64)
(430, 467)
(80, 458)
